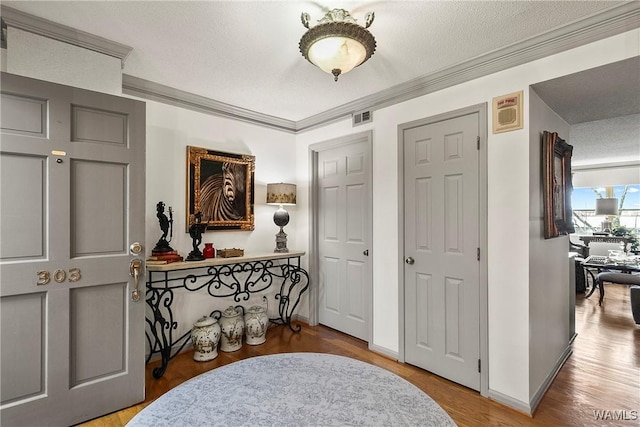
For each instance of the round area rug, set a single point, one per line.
(294, 389)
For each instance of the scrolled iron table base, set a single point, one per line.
(237, 278)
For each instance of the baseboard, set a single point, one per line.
(529, 408)
(303, 319)
(375, 348)
(509, 401)
(157, 356)
(573, 338)
(535, 401)
(383, 351)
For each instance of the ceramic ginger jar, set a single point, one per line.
(205, 336)
(256, 324)
(232, 327)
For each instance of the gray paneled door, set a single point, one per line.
(72, 202)
(344, 234)
(442, 309)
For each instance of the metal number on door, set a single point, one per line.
(44, 276)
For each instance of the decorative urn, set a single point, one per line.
(256, 323)
(205, 336)
(232, 326)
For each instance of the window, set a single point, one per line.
(583, 202)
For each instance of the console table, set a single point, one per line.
(236, 277)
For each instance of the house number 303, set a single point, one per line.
(59, 276)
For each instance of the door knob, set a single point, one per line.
(409, 260)
(365, 252)
(135, 248)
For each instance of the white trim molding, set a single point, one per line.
(147, 89)
(610, 22)
(42, 27)
(537, 397)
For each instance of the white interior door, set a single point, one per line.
(72, 202)
(441, 289)
(344, 236)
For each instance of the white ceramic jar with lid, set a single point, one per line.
(205, 336)
(232, 326)
(256, 323)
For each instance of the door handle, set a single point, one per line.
(409, 260)
(365, 252)
(134, 270)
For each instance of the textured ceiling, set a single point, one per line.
(600, 93)
(603, 106)
(245, 53)
(607, 141)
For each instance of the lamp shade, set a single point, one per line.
(607, 206)
(281, 194)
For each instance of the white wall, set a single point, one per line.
(169, 131)
(35, 56)
(509, 163)
(548, 261)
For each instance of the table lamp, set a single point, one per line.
(281, 194)
(607, 206)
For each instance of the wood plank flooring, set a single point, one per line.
(602, 374)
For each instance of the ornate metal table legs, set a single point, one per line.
(238, 280)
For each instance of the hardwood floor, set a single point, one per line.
(602, 374)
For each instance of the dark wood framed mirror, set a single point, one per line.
(557, 186)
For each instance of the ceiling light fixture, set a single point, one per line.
(337, 44)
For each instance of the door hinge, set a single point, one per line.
(478, 254)
(479, 366)
(478, 141)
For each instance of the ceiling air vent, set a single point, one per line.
(362, 117)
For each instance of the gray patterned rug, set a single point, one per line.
(295, 389)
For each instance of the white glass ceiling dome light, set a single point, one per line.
(337, 44)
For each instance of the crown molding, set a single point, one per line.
(610, 22)
(605, 24)
(146, 89)
(42, 27)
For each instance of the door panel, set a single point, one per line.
(26, 378)
(344, 224)
(453, 211)
(72, 199)
(356, 202)
(27, 218)
(90, 125)
(24, 115)
(97, 355)
(442, 237)
(329, 214)
(331, 299)
(98, 208)
(357, 291)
